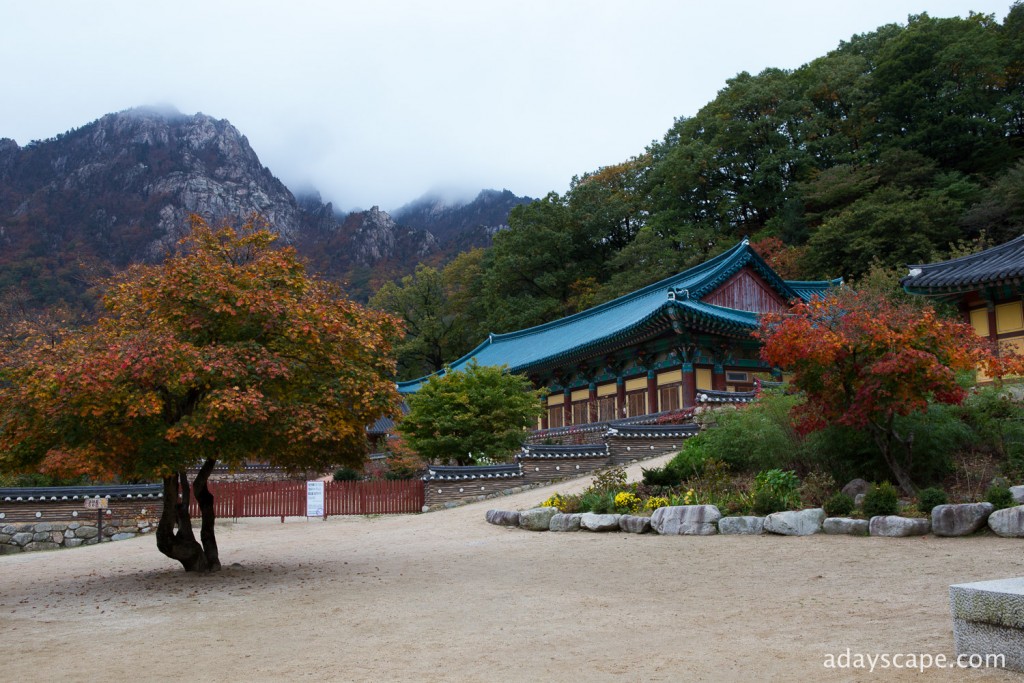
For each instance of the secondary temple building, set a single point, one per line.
(654, 350)
(987, 287)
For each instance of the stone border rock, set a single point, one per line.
(707, 520)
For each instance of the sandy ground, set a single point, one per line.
(447, 597)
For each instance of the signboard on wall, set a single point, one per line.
(314, 499)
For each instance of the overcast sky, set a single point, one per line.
(380, 101)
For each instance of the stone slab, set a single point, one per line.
(988, 619)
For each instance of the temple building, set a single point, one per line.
(660, 348)
(987, 287)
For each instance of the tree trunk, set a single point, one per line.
(205, 499)
(883, 439)
(180, 545)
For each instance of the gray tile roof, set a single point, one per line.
(1000, 265)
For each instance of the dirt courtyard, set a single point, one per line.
(447, 597)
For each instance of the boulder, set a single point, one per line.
(844, 525)
(537, 519)
(594, 522)
(858, 500)
(686, 520)
(747, 526)
(499, 517)
(41, 545)
(959, 520)
(565, 522)
(795, 522)
(856, 487)
(22, 538)
(896, 526)
(5, 538)
(87, 532)
(1018, 493)
(9, 529)
(1008, 522)
(632, 524)
(122, 536)
(7, 549)
(73, 542)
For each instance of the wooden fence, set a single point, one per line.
(288, 498)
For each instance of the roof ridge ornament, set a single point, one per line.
(677, 293)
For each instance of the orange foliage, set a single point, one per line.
(227, 350)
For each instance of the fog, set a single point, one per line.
(378, 103)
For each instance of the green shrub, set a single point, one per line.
(347, 474)
(881, 499)
(759, 436)
(839, 505)
(775, 490)
(929, 498)
(599, 502)
(1000, 497)
(660, 476)
(612, 479)
(816, 488)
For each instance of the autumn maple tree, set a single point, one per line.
(863, 360)
(227, 351)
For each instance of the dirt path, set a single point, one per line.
(447, 597)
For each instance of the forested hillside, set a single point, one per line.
(900, 146)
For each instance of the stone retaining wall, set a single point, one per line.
(622, 451)
(16, 538)
(549, 469)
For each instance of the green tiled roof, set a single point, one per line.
(637, 315)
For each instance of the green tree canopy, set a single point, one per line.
(478, 412)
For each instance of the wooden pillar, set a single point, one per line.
(544, 413)
(652, 392)
(993, 335)
(620, 390)
(718, 377)
(689, 386)
(567, 407)
(592, 402)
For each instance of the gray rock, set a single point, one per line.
(41, 536)
(22, 538)
(69, 534)
(960, 520)
(537, 519)
(747, 526)
(895, 526)
(686, 520)
(44, 526)
(503, 517)
(41, 545)
(57, 526)
(565, 522)
(1008, 523)
(632, 524)
(57, 537)
(74, 525)
(7, 549)
(5, 538)
(594, 522)
(9, 529)
(87, 532)
(1018, 493)
(795, 522)
(73, 542)
(844, 525)
(858, 500)
(856, 487)
(123, 536)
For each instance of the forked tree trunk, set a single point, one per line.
(181, 544)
